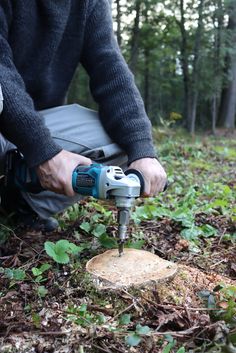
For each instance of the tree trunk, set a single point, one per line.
(214, 114)
(228, 100)
(118, 21)
(196, 74)
(184, 63)
(218, 72)
(135, 38)
(147, 69)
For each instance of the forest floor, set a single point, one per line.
(50, 304)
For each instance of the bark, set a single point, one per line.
(228, 100)
(147, 69)
(214, 114)
(217, 72)
(135, 37)
(184, 63)
(118, 21)
(196, 67)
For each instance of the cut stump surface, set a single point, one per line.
(134, 268)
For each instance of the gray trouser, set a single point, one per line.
(75, 129)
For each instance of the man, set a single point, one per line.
(41, 44)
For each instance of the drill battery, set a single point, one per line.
(19, 175)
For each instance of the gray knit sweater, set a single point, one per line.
(41, 44)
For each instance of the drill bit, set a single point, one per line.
(123, 221)
(121, 248)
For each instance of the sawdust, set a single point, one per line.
(189, 281)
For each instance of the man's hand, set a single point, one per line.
(56, 174)
(154, 175)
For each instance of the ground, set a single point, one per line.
(50, 304)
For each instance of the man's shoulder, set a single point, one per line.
(92, 4)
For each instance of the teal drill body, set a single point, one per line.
(110, 182)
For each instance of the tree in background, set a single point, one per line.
(228, 102)
(183, 56)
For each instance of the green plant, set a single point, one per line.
(39, 271)
(97, 225)
(81, 316)
(62, 250)
(172, 343)
(135, 337)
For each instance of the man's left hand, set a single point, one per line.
(155, 177)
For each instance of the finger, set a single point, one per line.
(147, 188)
(84, 160)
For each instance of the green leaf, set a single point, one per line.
(204, 294)
(98, 230)
(49, 247)
(57, 251)
(74, 249)
(133, 340)
(82, 309)
(169, 338)
(42, 291)
(86, 226)
(101, 319)
(190, 233)
(211, 303)
(135, 244)
(15, 274)
(36, 320)
(208, 231)
(232, 338)
(181, 350)
(37, 271)
(107, 242)
(142, 330)
(168, 348)
(124, 319)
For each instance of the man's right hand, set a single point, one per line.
(56, 173)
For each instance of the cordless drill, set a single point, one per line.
(110, 182)
(101, 182)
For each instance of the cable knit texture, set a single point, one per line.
(41, 44)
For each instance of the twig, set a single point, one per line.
(223, 233)
(187, 312)
(217, 263)
(53, 333)
(101, 349)
(172, 306)
(177, 333)
(122, 312)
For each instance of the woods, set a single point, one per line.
(183, 56)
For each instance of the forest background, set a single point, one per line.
(183, 56)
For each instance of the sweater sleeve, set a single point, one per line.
(19, 122)
(112, 85)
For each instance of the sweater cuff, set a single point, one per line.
(40, 153)
(140, 149)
